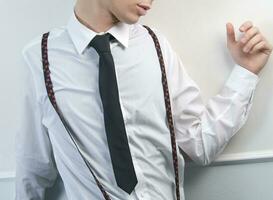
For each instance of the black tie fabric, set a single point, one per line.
(114, 125)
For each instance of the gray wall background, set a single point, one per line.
(196, 31)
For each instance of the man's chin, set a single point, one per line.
(132, 20)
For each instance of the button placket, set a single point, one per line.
(125, 116)
(140, 187)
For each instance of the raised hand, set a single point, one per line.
(252, 50)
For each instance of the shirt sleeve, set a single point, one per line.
(203, 131)
(35, 167)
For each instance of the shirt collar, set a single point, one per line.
(82, 35)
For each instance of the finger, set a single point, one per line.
(245, 26)
(262, 46)
(249, 34)
(252, 42)
(258, 47)
(230, 34)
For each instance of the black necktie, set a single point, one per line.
(114, 125)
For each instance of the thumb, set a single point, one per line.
(230, 34)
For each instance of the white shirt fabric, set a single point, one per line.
(44, 148)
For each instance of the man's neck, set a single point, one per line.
(94, 16)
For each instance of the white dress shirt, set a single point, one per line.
(44, 148)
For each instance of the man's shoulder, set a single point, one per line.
(165, 45)
(33, 46)
(138, 29)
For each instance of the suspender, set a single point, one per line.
(168, 108)
(50, 92)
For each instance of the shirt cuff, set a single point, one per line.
(241, 79)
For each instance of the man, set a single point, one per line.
(76, 64)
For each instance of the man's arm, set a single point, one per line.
(203, 131)
(35, 167)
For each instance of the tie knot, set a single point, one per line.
(101, 43)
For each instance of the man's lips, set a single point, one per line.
(142, 8)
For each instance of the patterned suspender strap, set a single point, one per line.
(51, 95)
(168, 108)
